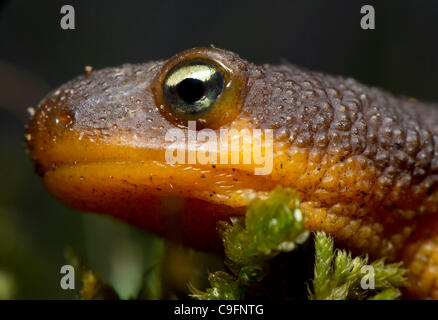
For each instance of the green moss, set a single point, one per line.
(223, 287)
(276, 225)
(339, 276)
(271, 226)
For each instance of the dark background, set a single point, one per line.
(36, 55)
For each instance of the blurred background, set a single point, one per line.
(36, 55)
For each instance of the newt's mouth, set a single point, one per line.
(100, 184)
(92, 168)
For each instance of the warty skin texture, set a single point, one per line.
(365, 162)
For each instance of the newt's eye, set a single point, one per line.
(205, 85)
(192, 88)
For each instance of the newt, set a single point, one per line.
(364, 161)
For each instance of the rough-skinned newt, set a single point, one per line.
(364, 161)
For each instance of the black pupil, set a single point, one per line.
(190, 90)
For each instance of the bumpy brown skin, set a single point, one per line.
(364, 161)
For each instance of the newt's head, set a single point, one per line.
(99, 142)
(205, 127)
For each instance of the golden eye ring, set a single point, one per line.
(206, 85)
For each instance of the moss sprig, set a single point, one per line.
(339, 276)
(270, 226)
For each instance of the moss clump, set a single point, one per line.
(339, 276)
(271, 226)
(275, 225)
